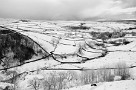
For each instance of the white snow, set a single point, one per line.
(117, 78)
(3, 85)
(116, 85)
(30, 77)
(56, 37)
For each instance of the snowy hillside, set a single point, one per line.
(67, 55)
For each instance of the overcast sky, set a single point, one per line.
(68, 9)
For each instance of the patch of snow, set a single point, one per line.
(116, 85)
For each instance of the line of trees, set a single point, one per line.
(62, 80)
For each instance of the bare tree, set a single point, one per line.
(88, 77)
(61, 77)
(122, 70)
(35, 83)
(50, 82)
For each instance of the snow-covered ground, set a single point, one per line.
(116, 85)
(77, 49)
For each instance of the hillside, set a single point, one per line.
(67, 54)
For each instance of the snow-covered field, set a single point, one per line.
(71, 46)
(116, 85)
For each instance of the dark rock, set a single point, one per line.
(93, 84)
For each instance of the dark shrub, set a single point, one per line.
(107, 35)
(79, 27)
(119, 42)
(14, 46)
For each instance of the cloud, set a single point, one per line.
(66, 9)
(119, 10)
(128, 3)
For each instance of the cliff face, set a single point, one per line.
(15, 48)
